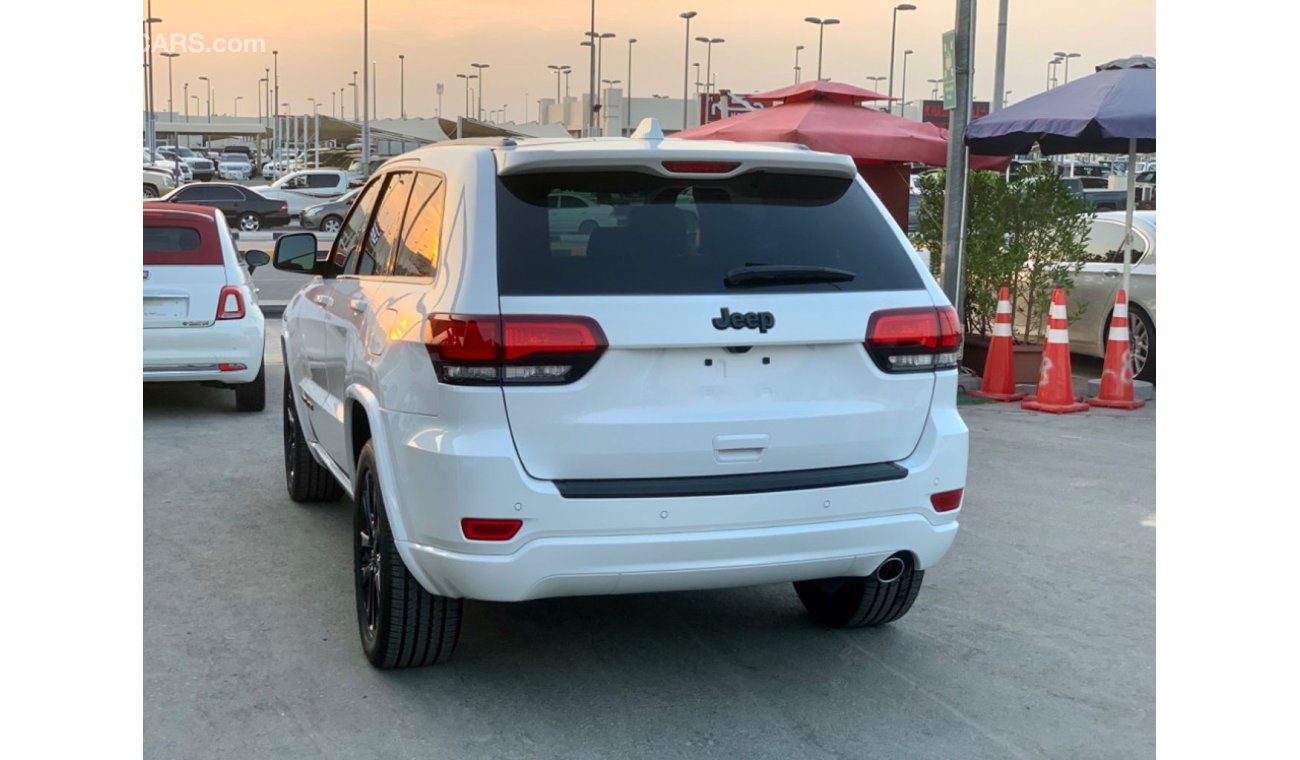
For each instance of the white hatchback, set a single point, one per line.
(745, 378)
(201, 319)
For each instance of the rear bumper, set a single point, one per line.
(192, 354)
(585, 546)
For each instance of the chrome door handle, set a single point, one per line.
(323, 300)
(358, 305)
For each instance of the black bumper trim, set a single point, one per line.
(722, 485)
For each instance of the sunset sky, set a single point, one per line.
(320, 45)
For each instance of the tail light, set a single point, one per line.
(700, 167)
(485, 529)
(230, 304)
(914, 340)
(513, 349)
(284, 208)
(946, 501)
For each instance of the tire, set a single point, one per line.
(401, 624)
(250, 222)
(251, 397)
(587, 227)
(1142, 345)
(860, 602)
(150, 191)
(305, 478)
(331, 223)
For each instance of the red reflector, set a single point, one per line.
(483, 529)
(230, 304)
(932, 328)
(231, 367)
(946, 501)
(700, 167)
(551, 335)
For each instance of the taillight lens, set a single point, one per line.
(485, 529)
(230, 304)
(513, 349)
(700, 167)
(946, 501)
(914, 340)
(284, 208)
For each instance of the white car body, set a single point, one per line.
(234, 166)
(306, 187)
(575, 213)
(664, 402)
(181, 169)
(187, 338)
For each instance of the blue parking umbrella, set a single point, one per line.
(1111, 111)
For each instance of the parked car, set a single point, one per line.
(179, 168)
(201, 319)
(328, 216)
(518, 414)
(1095, 286)
(307, 187)
(356, 175)
(1101, 200)
(204, 169)
(158, 181)
(234, 166)
(578, 213)
(243, 206)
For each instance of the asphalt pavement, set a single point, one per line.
(1034, 638)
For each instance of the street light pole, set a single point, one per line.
(208, 85)
(171, 113)
(401, 98)
(374, 89)
(934, 90)
(686, 66)
(589, 118)
(187, 102)
(365, 88)
(1000, 62)
(627, 98)
(893, 35)
(797, 48)
(821, 38)
(480, 67)
(902, 96)
(356, 110)
(237, 99)
(1066, 57)
(467, 77)
(708, 61)
(150, 124)
(604, 98)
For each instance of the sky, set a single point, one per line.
(320, 45)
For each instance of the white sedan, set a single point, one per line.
(307, 187)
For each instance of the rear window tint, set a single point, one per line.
(628, 233)
(180, 245)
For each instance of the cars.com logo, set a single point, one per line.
(196, 42)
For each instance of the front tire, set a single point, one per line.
(305, 478)
(251, 397)
(150, 191)
(331, 223)
(401, 624)
(861, 602)
(250, 222)
(1142, 345)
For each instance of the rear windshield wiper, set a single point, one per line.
(758, 275)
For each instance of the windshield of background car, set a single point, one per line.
(646, 234)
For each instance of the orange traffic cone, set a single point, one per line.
(1055, 381)
(1117, 373)
(999, 368)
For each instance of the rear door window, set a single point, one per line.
(380, 242)
(180, 244)
(669, 235)
(318, 181)
(347, 246)
(417, 256)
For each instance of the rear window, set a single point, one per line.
(628, 233)
(179, 245)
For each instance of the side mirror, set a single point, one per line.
(297, 253)
(255, 259)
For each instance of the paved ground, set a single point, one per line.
(1035, 638)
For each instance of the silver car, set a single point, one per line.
(1096, 284)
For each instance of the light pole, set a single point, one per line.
(261, 98)
(604, 99)
(275, 97)
(186, 98)
(268, 95)
(821, 37)
(686, 65)
(439, 88)
(902, 96)
(1006, 98)
(1051, 72)
(558, 71)
(401, 97)
(467, 77)
(171, 114)
(893, 35)
(480, 67)
(356, 111)
(874, 81)
(196, 105)
(237, 99)
(149, 124)
(797, 48)
(699, 83)
(374, 89)
(314, 104)
(589, 118)
(708, 61)
(208, 85)
(934, 89)
(1066, 57)
(365, 88)
(567, 72)
(334, 104)
(627, 98)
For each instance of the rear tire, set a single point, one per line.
(150, 191)
(401, 624)
(587, 227)
(1142, 336)
(860, 602)
(251, 397)
(331, 223)
(250, 222)
(305, 478)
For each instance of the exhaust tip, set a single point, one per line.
(890, 570)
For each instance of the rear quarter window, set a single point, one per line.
(643, 234)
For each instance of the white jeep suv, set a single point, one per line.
(748, 378)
